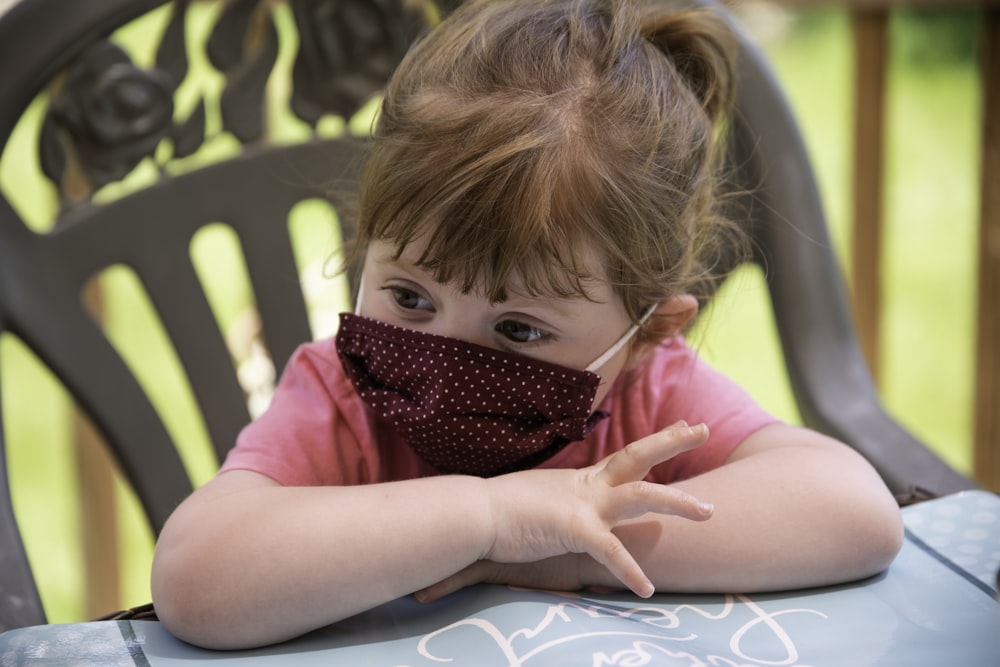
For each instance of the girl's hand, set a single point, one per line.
(542, 513)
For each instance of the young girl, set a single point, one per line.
(513, 401)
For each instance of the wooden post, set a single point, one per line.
(870, 27)
(98, 520)
(986, 439)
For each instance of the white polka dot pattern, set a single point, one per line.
(963, 528)
(465, 408)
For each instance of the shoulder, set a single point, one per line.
(675, 371)
(316, 429)
(675, 383)
(669, 372)
(316, 359)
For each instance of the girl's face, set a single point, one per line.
(569, 332)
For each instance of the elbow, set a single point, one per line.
(189, 606)
(179, 606)
(884, 549)
(214, 604)
(878, 535)
(869, 524)
(892, 535)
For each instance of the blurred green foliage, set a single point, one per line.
(936, 38)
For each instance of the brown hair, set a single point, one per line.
(519, 134)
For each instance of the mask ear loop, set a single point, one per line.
(622, 342)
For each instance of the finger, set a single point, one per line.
(634, 461)
(628, 501)
(612, 554)
(473, 574)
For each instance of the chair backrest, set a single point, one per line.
(830, 380)
(103, 115)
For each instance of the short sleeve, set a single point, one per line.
(673, 383)
(698, 393)
(314, 432)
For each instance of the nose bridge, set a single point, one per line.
(464, 321)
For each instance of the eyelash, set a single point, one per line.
(399, 293)
(543, 336)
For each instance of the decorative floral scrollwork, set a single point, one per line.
(347, 51)
(105, 118)
(244, 46)
(106, 114)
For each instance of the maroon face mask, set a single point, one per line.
(465, 408)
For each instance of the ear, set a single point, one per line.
(672, 314)
(667, 320)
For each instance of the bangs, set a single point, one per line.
(525, 212)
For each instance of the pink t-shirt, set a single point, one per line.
(318, 431)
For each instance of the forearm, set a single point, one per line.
(786, 517)
(259, 565)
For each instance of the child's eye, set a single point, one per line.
(519, 332)
(410, 300)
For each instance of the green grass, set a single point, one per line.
(931, 209)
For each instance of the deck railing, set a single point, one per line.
(870, 22)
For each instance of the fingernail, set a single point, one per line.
(646, 590)
(706, 508)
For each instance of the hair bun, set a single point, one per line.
(702, 47)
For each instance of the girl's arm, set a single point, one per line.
(793, 509)
(245, 562)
